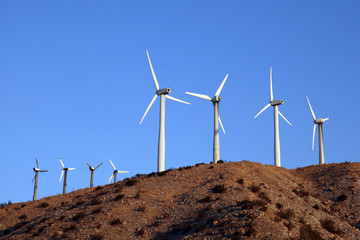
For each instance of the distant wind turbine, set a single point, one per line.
(36, 170)
(115, 172)
(65, 177)
(215, 99)
(318, 122)
(275, 104)
(163, 94)
(92, 169)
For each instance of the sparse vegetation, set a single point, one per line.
(137, 196)
(140, 232)
(141, 209)
(286, 214)
(205, 199)
(341, 198)
(240, 181)
(219, 188)
(198, 164)
(43, 205)
(77, 204)
(4, 204)
(330, 226)
(264, 196)
(300, 192)
(160, 174)
(130, 182)
(220, 161)
(99, 188)
(79, 216)
(247, 204)
(96, 237)
(119, 197)
(306, 232)
(71, 228)
(279, 205)
(254, 188)
(22, 217)
(96, 210)
(116, 221)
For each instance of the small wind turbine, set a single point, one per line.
(36, 170)
(318, 122)
(64, 170)
(115, 172)
(92, 169)
(215, 99)
(163, 94)
(275, 104)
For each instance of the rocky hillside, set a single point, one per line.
(234, 200)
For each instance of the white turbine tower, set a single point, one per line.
(215, 100)
(163, 94)
(36, 170)
(319, 122)
(65, 177)
(275, 104)
(115, 172)
(92, 169)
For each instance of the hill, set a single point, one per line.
(233, 200)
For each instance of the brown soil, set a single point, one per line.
(234, 200)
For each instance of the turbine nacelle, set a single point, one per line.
(276, 102)
(163, 91)
(319, 121)
(216, 99)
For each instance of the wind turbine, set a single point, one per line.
(318, 122)
(64, 170)
(163, 94)
(215, 99)
(115, 172)
(92, 169)
(36, 170)
(275, 104)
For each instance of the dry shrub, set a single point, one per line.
(71, 228)
(96, 237)
(254, 188)
(341, 198)
(205, 200)
(79, 216)
(96, 210)
(286, 214)
(264, 196)
(116, 221)
(240, 181)
(140, 232)
(131, 182)
(141, 209)
(279, 205)
(99, 188)
(247, 204)
(306, 232)
(160, 174)
(119, 197)
(43, 205)
(301, 192)
(22, 217)
(330, 226)
(219, 188)
(203, 211)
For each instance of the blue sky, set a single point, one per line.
(75, 82)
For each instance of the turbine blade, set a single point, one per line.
(37, 163)
(33, 179)
(62, 164)
(284, 118)
(203, 96)
(152, 71)
(268, 105)
(98, 166)
(221, 125)
(122, 171)
(271, 88)
(62, 172)
(151, 103)
(175, 99)
(312, 112)
(326, 119)
(221, 86)
(111, 177)
(71, 169)
(43, 170)
(112, 165)
(88, 164)
(313, 140)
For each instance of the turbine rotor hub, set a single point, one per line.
(276, 102)
(216, 99)
(163, 91)
(319, 121)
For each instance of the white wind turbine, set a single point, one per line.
(36, 170)
(163, 94)
(275, 104)
(115, 172)
(65, 177)
(318, 122)
(215, 100)
(92, 169)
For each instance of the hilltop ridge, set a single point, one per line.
(232, 200)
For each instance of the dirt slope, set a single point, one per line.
(234, 200)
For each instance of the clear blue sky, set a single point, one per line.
(75, 82)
